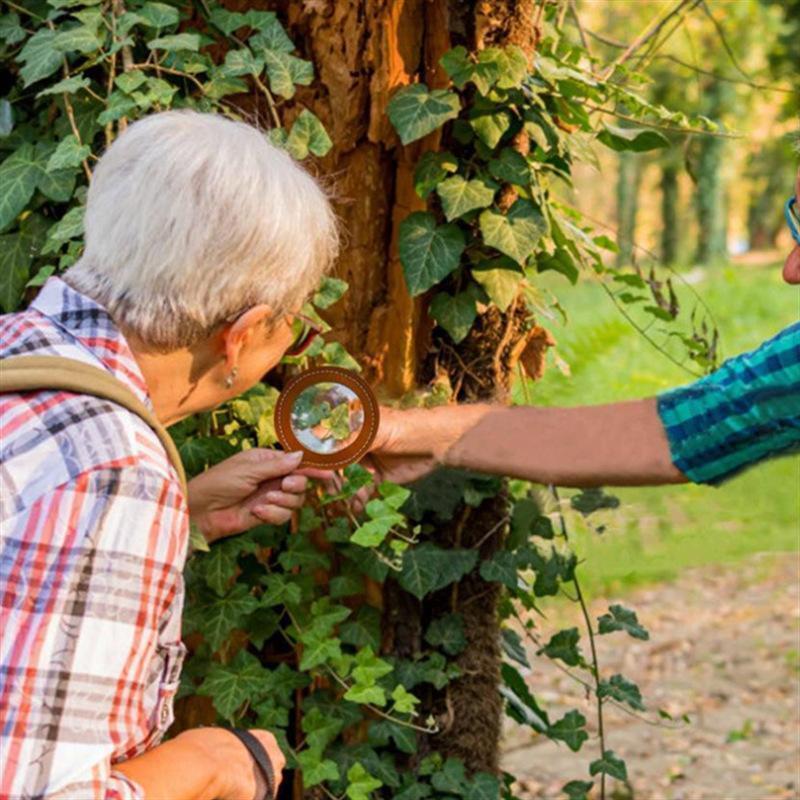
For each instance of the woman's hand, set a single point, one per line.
(248, 489)
(244, 778)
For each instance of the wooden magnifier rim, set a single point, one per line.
(357, 448)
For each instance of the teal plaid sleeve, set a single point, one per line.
(743, 413)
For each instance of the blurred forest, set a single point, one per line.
(703, 199)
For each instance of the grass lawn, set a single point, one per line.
(656, 533)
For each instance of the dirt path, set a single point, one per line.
(724, 649)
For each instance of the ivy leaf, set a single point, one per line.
(431, 169)
(302, 553)
(16, 254)
(451, 777)
(515, 233)
(500, 279)
(447, 632)
(81, 39)
(376, 529)
(404, 701)
(68, 154)
(241, 62)
(622, 690)
(416, 111)
(504, 67)
(308, 136)
(285, 70)
(369, 668)
(330, 291)
(260, 625)
(590, 500)
(522, 706)
(39, 57)
(271, 34)
(564, 646)
(459, 196)
(577, 790)
(428, 252)
(501, 568)
(483, 786)
(638, 140)
(511, 167)
(217, 617)
(570, 729)
(490, 122)
(609, 764)
(57, 185)
(364, 630)
(318, 649)
(360, 784)
(158, 15)
(11, 32)
(405, 738)
(280, 590)
(427, 568)
(230, 685)
(70, 226)
(455, 313)
(219, 565)
(513, 647)
(320, 728)
(227, 21)
(178, 41)
(66, 86)
(18, 176)
(315, 769)
(622, 619)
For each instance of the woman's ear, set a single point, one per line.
(236, 335)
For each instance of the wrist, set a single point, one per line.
(222, 758)
(455, 422)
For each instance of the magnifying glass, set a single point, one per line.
(329, 413)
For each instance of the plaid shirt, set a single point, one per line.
(93, 537)
(745, 412)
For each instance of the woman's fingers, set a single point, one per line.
(294, 483)
(272, 515)
(283, 499)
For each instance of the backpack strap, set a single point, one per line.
(58, 373)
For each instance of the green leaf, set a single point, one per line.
(500, 279)
(68, 154)
(590, 500)
(316, 769)
(622, 619)
(404, 701)
(447, 632)
(320, 728)
(513, 647)
(158, 15)
(318, 648)
(460, 196)
(416, 111)
(39, 57)
(219, 565)
(57, 185)
(261, 625)
(501, 568)
(609, 764)
(522, 706)
(504, 67)
(16, 254)
(11, 32)
(6, 118)
(81, 39)
(220, 86)
(483, 786)
(66, 86)
(431, 169)
(217, 617)
(570, 729)
(638, 140)
(18, 176)
(451, 778)
(455, 314)
(230, 685)
(364, 630)
(564, 646)
(227, 21)
(178, 41)
(427, 568)
(577, 790)
(360, 784)
(271, 34)
(308, 136)
(369, 668)
(516, 233)
(241, 62)
(285, 70)
(511, 167)
(330, 291)
(622, 690)
(490, 122)
(428, 252)
(405, 738)
(279, 590)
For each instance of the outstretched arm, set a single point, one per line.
(622, 444)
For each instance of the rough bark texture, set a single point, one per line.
(363, 51)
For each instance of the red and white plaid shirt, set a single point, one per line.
(93, 538)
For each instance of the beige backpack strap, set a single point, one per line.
(57, 373)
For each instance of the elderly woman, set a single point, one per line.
(202, 239)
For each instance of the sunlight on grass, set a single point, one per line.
(660, 531)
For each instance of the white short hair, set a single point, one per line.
(193, 218)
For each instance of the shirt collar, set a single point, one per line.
(90, 327)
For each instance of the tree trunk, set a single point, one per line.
(670, 224)
(710, 189)
(629, 180)
(363, 51)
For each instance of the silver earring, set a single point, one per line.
(229, 381)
